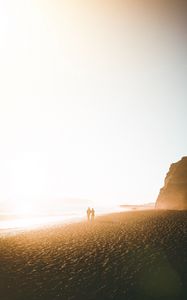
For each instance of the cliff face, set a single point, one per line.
(174, 193)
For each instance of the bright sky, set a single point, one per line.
(92, 100)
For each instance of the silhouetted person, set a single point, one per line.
(92, 214)
(88, 213)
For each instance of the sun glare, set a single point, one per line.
(22, 208)
(81, 102)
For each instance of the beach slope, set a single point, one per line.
(132, 255)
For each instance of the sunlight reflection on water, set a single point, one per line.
(13, 225)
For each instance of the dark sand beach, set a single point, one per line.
(132, 255)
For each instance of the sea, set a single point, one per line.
(11, 224)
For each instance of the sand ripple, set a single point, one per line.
(134, 255)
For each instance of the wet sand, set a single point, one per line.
(132, 255)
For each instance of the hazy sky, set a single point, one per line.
(92, 99)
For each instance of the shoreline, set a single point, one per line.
(14, 225)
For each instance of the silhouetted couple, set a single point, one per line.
(90, 214)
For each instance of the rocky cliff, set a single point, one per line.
(174, 193)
